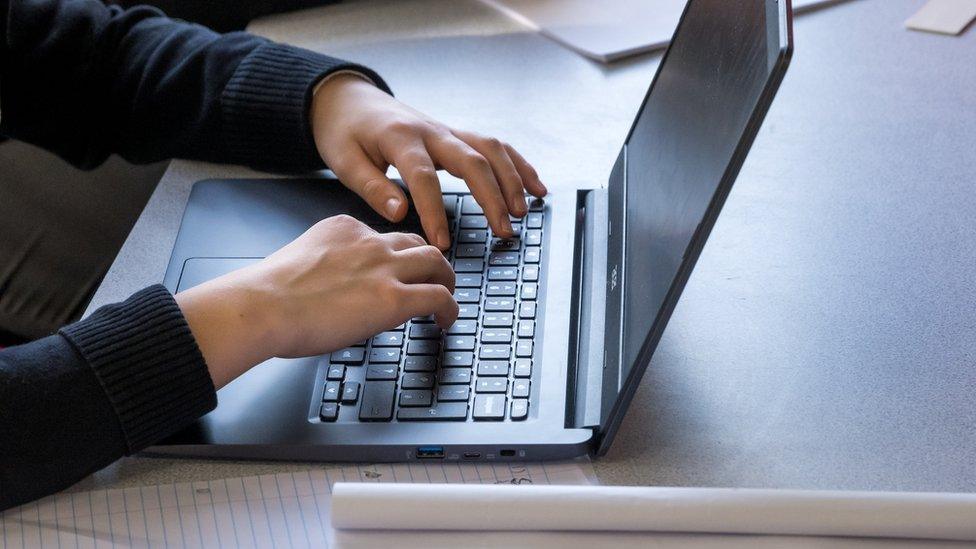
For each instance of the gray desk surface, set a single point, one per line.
(828, 336)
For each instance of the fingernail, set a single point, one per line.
(392, 205)
(443, 241)
(507, 225)
(520, 208)
(545, 190)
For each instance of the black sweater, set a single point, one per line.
(86, 81)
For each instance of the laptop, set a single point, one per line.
(556, 326)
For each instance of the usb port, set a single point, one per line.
(430, 452)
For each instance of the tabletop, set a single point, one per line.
(827, 338)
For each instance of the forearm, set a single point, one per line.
(86, 80)
(110, 385)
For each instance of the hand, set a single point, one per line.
(339, 283)
(359, 130)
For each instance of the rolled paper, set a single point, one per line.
(908, 515)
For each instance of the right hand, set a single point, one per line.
(339, 283)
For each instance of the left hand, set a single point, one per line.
(360, 131)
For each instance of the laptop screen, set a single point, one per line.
(682, 149)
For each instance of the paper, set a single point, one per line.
(943, 16)
(283, 510)
(607, 30)
(646, 509)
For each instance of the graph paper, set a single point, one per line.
(283, 510)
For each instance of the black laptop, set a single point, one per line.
(557, 325)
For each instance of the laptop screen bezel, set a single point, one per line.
(616, 395)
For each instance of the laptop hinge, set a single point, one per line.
(588, 310)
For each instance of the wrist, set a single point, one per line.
(233, 332)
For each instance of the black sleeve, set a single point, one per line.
(85, 80)
(110, 385)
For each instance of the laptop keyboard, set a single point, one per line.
(481, 368)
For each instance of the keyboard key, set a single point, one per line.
(417, 381)
(517, 227)
(425, 331)
(360, 344)
(492, 368)
(463, 327)
(520, 388)
(502, 273)
(523, 367)
(500, 289)
(381, 371)
(470, 250)
(533, 237)
(333, 390)
(329, 411)
(470, 206)
(419, 364)
(423, 320)
(336, 372)
(500, 259)
(523, 348)
(400, 328)
(489, 406)
(492, 335)
(350, 392)
(459, 343)
(448, 411)
(469, 265)
(526, 328)
(468, 310)
(537, 205)
(453, 393)
(384, 356)
(520, 409)
(349, 355)
(472, 236)
(527, 310)
(377, 402)
(454, 376)
(500, 352)
(388, 339)
(491, 385)
(505, 244)
(416, 397)
(499, 304)
(529, 291)
(474, 222)
(530, 273)
(467, 295)
(467, 280)
(533, 220)
(532, 255)
(423, 347)
(454, 359)
(450, 205)
(496, 320)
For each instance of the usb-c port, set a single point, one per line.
(472, 455)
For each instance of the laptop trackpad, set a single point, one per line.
(198, 270)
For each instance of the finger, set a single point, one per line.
(424, 264)
(502, 165)
(530, 178)
(460, 160)
(417, 169)
(429, 299)
(358, 172)
(403, 241)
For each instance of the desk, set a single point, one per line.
(827, 338)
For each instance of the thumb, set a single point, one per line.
(359, 174)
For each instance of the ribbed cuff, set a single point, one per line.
(267, 102)
(146, 359)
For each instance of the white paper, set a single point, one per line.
(943, 16)
(283, 510)
(607, 30)
(897, 515)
